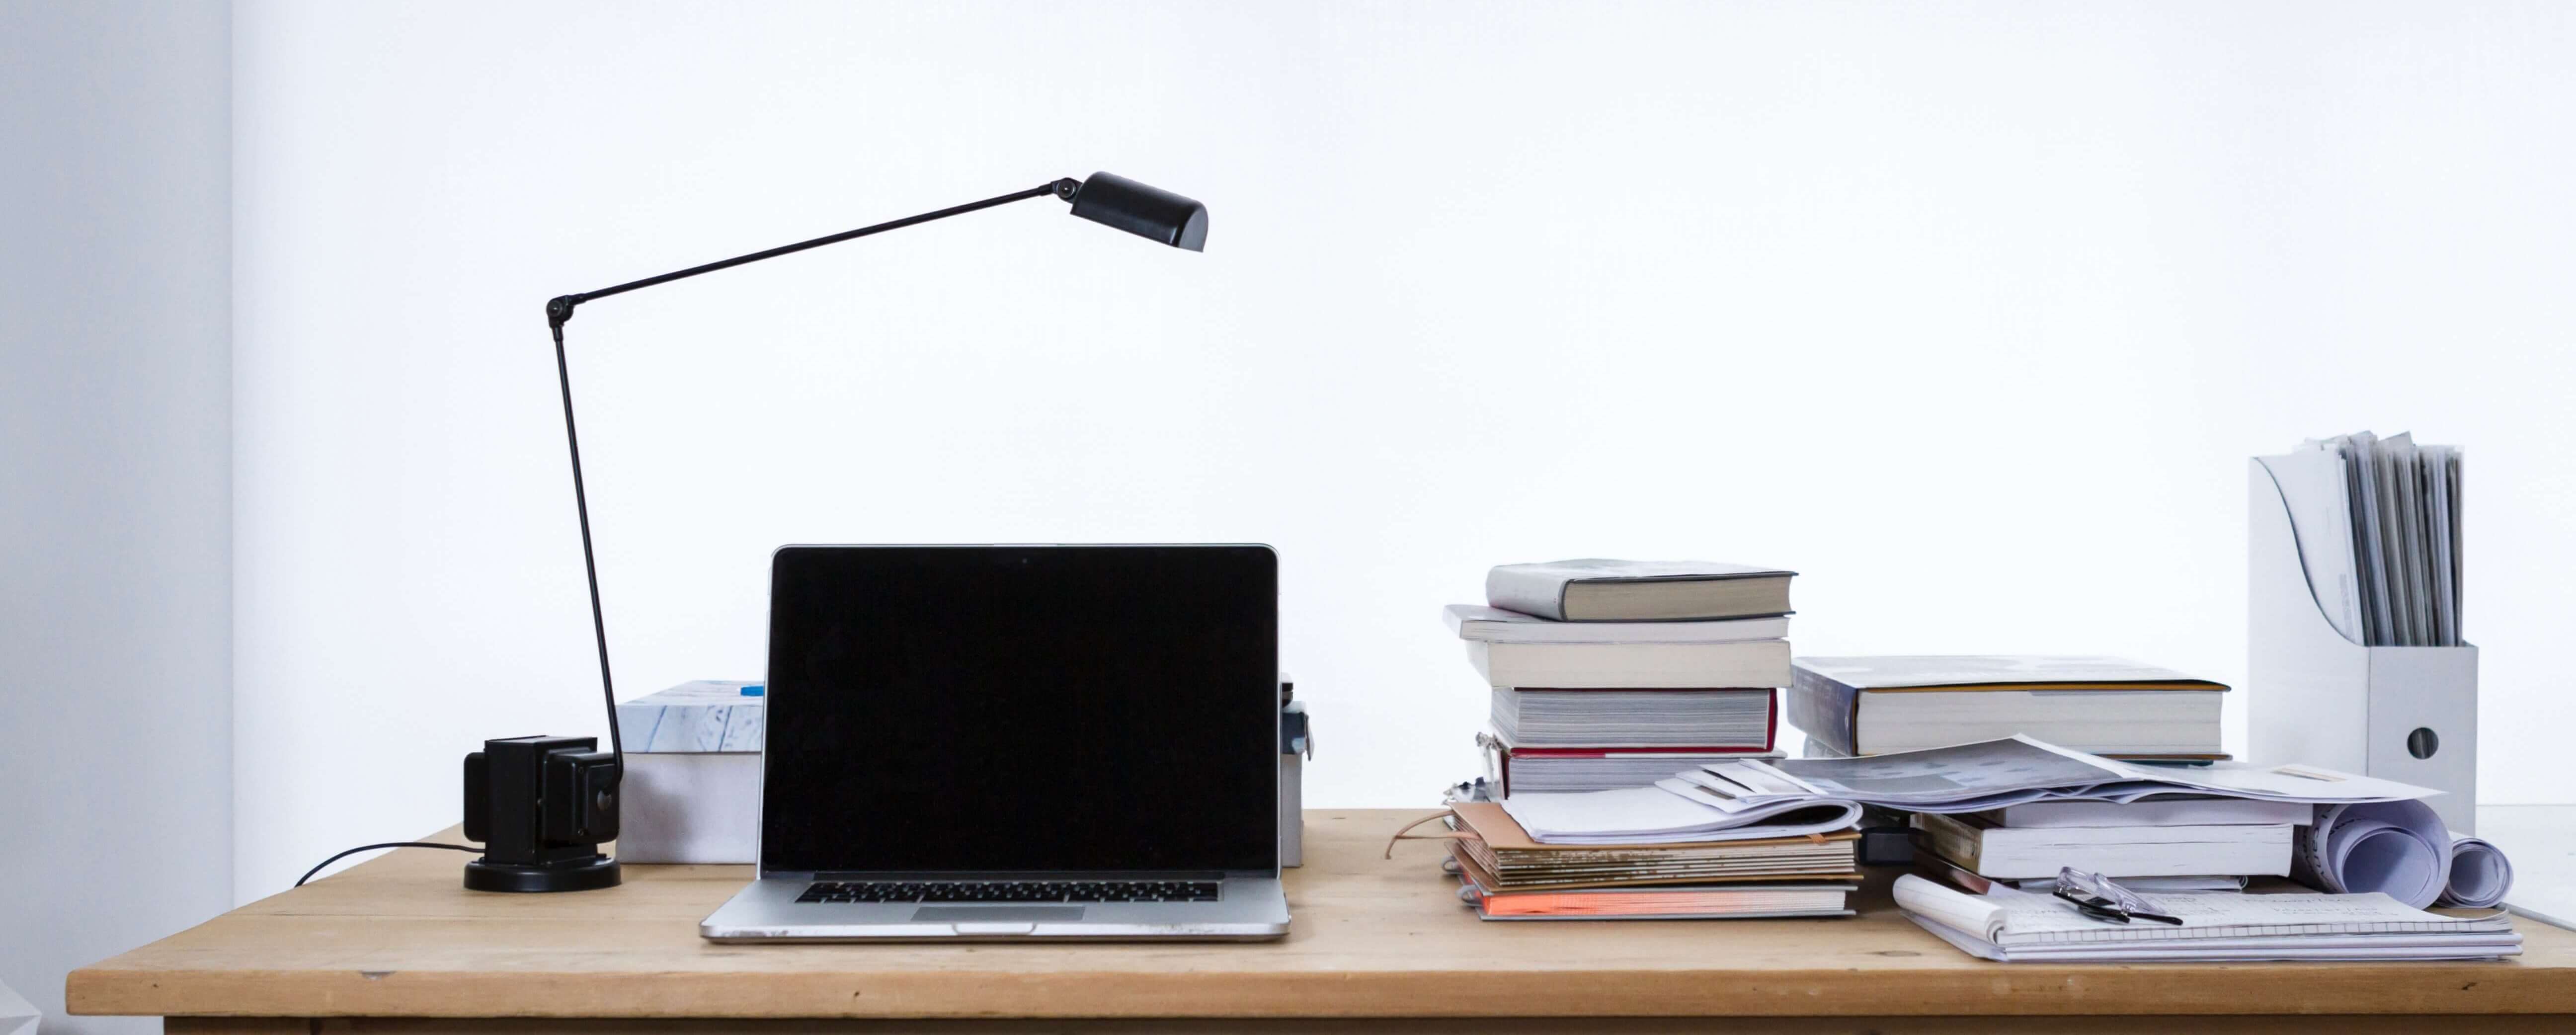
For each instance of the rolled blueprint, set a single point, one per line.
(2399, 847)
(2480, 875)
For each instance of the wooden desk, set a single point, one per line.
(397, 945)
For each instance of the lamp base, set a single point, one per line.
(593, 874)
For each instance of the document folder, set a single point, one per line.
(2315, 696)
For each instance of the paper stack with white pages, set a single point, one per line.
(2014, 926)
(1752, 798)
(2369, 835)
(1654, 815)
(1996, 774)
(2378, 524)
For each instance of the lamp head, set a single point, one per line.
(1112, 200)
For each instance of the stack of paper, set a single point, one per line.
(2368, 834)
(1653, 815)
(1516, 861)
(1739, 719)
(1509, 875)
(1999, 774)
(2015, 926)
(2378, 524)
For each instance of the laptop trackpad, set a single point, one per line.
(997, 914)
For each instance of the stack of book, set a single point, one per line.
(1859, 706)
(1507, 874)
(1610, 674)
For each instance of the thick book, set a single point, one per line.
(2105, 706)
(1744, 901)
(1631, 666)
(1976, 845)
(2153, 812)
(1495, 625)
(1741, 719)
(1599, 590)
(1572, 770)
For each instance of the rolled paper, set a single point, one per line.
(2480, 875)
(2397, 847)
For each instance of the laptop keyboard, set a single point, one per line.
(1011, 891)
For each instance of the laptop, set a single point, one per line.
(1018, 742)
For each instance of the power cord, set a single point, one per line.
(308, 874)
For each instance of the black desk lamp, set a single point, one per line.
(541, 806)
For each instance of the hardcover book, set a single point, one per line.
(1599, 590)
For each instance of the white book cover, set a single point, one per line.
(1900, 671)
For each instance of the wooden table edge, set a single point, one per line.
(2034, 991)
(120, 986)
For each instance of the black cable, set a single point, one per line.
(308, 874)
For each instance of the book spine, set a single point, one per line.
(1825, 710)
(1529, 593)
(1951, 840)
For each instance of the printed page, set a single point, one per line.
(2283, 782)
(1953, 774)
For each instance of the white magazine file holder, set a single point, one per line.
(2316, 697)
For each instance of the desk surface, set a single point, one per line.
(398, 937)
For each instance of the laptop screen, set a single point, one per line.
(1022, 708)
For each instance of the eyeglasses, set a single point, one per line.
(2097, 897)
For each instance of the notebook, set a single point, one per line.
(2010, 926)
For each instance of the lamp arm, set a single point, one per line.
(559, 310)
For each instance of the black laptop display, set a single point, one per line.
(1038, 709)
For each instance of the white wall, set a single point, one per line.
(1971, 313)
(115, 485)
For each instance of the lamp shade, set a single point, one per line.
(1112, 200)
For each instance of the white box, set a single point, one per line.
(2316, 697)
(692, 787)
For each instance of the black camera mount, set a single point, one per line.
(541, 806)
